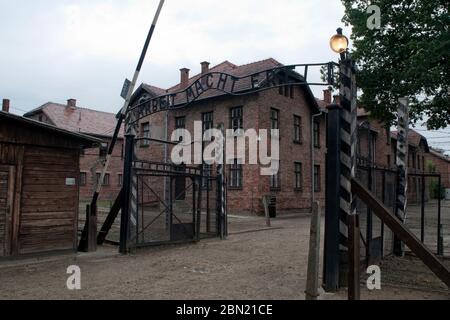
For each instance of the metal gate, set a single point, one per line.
(374, 236)
(174, 204)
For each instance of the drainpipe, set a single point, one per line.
(313, 117)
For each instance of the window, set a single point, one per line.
(207, 173)
(235, 175)
(274, 119)
(388, 136)
(317, 186)
(316, 134)
(145, 134)
(275, 181)
(298, 176)
(105, 180)
(297, 129)
(103, 150)
(83, 178)
(120, 180)
(237, 121)
(180, 123)
(388, 160)
(207, 121)
(285, 89)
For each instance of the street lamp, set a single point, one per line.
(339, 43)
(346, 122)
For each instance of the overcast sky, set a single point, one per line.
(52, 50)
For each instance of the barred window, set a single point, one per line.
(298, 184)
(105, 180)
(275, 180)
(83, 178)
(180, 123)
(297, 129)
(317, 186)
(316, 134)
(235, 179)
(274, 119)
(237, 121)
(145, 134)
(207, 120)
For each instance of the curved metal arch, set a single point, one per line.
(230, 85)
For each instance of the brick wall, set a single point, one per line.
(256, 115)
(442, 167)
(91, 163)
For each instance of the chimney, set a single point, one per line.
(5, 105)
(327, 96)
(184, 78)
(72, 103)
(205, 70)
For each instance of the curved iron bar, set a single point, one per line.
(226, 83)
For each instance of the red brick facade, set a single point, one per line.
(256, 109)
(441, 164)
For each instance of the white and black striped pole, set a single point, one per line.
(349, 220)
(127, 92)
(402, 169)
(221, 183)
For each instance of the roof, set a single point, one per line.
(414, 138)
(362, 112)
(78, 119)
(233, 70)
(89, 140)
(439, 155)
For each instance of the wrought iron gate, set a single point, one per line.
(174, 205)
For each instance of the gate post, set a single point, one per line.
(333, 172)
(348, 136)
(402, 169)
(341, 221)
(127, 180)
(221, 185)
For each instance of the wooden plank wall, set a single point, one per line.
(4, 182)
(49, 207)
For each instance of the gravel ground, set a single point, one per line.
(267, 264)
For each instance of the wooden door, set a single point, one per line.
(6, 200)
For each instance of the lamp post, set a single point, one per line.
(347, 154)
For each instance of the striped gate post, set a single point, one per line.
(349, 221)
(129, 215)
(221, 185)
(341, 252)
(402, 169)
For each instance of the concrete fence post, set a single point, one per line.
(312, 282)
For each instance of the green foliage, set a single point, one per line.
(435, 192)
(408, 56)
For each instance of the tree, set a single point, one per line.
(408, 56)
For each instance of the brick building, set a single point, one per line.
(417, 150)
(93, 123)
(289, 108)
(441, 164)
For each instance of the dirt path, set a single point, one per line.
(259, 265)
